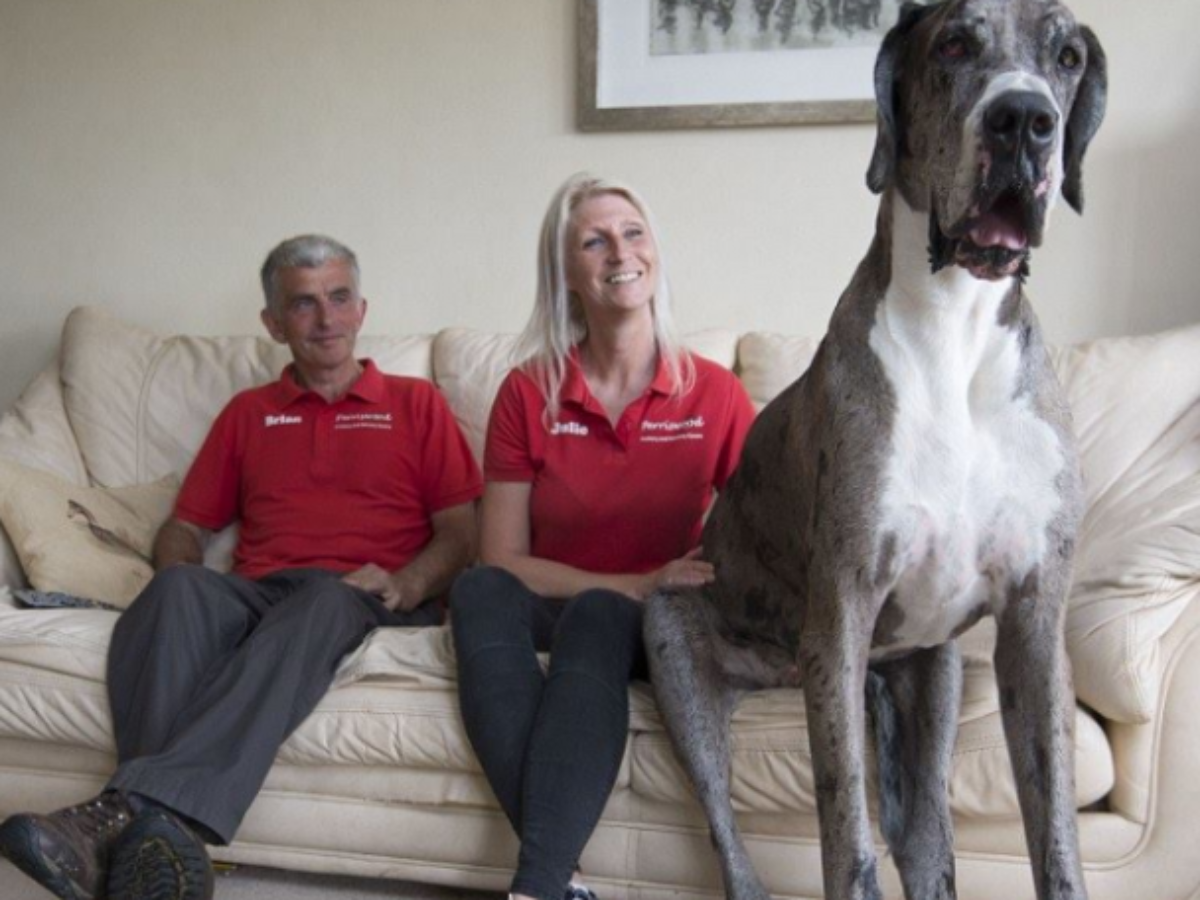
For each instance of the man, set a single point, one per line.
(354, 496)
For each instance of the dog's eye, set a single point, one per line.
(954, 48)
(1069, 58)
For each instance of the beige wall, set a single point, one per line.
(151, 151)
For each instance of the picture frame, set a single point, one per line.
(623, 86)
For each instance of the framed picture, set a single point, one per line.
(647, 64)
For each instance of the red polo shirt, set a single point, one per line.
(330, 485)
(618, 499)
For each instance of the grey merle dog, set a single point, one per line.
(921, 474)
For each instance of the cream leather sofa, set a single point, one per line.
(380, 780)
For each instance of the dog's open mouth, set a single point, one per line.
(993, 241)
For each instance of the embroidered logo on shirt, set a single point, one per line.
(272, 421)
(348, 421)
(574, 428)
(666, 432)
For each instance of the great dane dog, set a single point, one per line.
(920, 475)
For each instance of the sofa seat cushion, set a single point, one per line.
(772, 766)
(394, 705)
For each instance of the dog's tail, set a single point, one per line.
(889, 758)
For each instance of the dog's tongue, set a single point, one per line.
(993, 229)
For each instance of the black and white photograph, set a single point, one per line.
(647, 64)
(747, 26)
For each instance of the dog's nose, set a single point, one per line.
(1021, 119)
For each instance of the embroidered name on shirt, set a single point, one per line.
(272, 421)
(378, 421)
(573, 428)
(667, 432)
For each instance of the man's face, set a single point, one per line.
(317, 313)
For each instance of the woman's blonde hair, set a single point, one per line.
(557, 323)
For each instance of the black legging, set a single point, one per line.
(550, 745)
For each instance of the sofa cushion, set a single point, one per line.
(90, 542)
(394, 703)
(772, 767)
(1136, 404)
(469, 366)
(768, 363)
(141, 404)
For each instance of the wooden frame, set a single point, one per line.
(593, 117)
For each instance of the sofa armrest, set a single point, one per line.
(1157, 768)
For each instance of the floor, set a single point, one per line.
(249, 883)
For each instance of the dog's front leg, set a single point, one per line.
(914, 703)
(696, 700)
(1038, 708)
(833, 667)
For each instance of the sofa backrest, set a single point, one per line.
(138, 406)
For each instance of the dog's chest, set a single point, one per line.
(968, 488)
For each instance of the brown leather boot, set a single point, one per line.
(159, 857)
(67, 851)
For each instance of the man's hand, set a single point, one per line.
(390, 588)
(179, 543)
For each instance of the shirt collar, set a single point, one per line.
(368, 387)
(575, 390)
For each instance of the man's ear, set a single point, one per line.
(889, 135)
(272, 325)
(1086, 115)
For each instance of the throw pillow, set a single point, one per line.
(85, 541)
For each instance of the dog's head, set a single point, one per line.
(986, 109)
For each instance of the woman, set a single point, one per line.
(603, 451)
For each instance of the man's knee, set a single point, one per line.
(179, 579)
(328, 600)
(175, 590)
(183, 599)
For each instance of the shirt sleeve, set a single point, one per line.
(507, 455)
(210, 494)
(740, 418)
(451, 473)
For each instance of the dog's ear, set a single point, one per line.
(1084, 121)
(889, 136)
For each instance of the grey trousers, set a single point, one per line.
(208, 674)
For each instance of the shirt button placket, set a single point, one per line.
(322, 465)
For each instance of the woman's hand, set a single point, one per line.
(688, 571)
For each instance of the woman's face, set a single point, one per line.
(611, 257)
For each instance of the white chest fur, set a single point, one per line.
(969, 485)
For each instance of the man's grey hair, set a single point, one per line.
(558, 324)
(306, 251)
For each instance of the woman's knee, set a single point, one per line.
(481, 588)
(605, 614)
(602, 626)
(488, 605)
